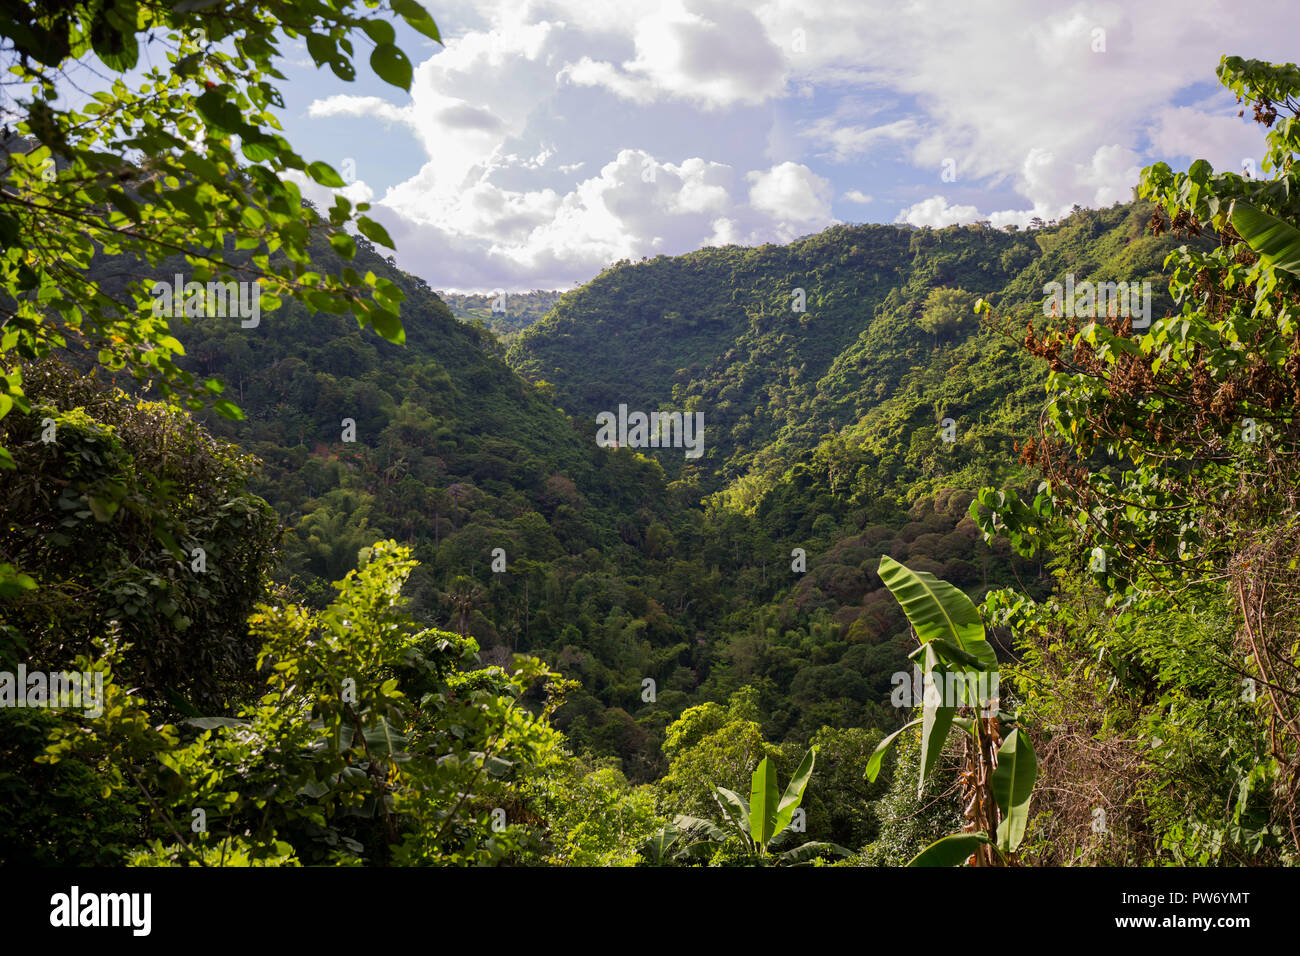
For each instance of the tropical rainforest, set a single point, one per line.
(360, 587)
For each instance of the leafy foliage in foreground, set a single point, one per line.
(130, 515)
(761, 826)
(1170, 462)
(368, 744)
(960, 675)
(151, 172)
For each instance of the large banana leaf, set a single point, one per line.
(700, 850)
(951, 850)
(877, 755)
(806, 852)
(1275, 240)
(936, 719)
(700, 838)
(383, 738)
(656, 848)
(734, 811)
(793, 795)
(1013, 784)
(698, 827)
(763, 803)
(212, 723)
(936, 609)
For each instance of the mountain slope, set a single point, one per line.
(716, 330)
(824, 435)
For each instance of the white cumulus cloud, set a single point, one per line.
(554, 136)
(937, 212)
(791, 192)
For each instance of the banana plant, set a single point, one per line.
(762, 824)
(670, 844)
(1000, 765)
(1276, 241)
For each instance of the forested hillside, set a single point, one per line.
(504, 313)
(785, 344)
(345, 580)
(613, 573)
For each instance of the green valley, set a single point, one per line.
(389, 577)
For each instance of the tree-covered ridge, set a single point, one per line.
(718, 329)
(505, 313)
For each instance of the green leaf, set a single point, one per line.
(1276, 241)
(937, 609)
(391, 65)
(1013, 785)
(877, 755)
(935, 720)
(103, 508)
(169, 542)
(388, 325)
(374, 232)
(228, 409)
(965, 723)
(314, 789)
(952, 850)
(656, 848)
(212, 723)
(733, 810)
(381, 31)
(219, 113)
(384, 739)
(811, 851)
(117, 49)
(343, 244)
(10, 230)
(13, 582)
(763, 803)
(324, 174)
(418, 17)
(321, 48)
(498, 766)
(693, 826)
(956, 655)
(793, 795)
(343, 69)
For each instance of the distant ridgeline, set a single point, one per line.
(504, 313)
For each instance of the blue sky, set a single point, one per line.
(549, 138)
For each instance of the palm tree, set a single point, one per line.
(463, 594)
